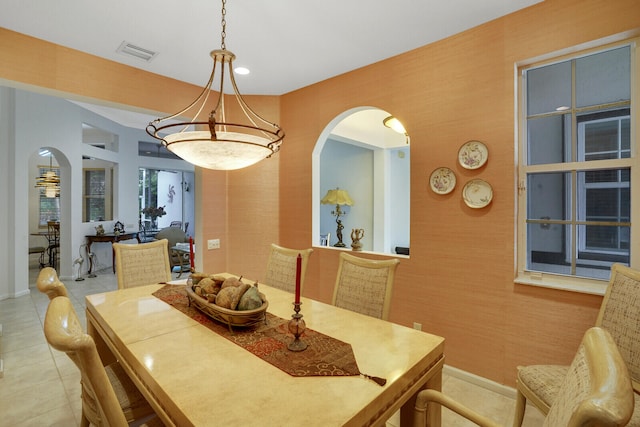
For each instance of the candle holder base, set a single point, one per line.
(296, 327)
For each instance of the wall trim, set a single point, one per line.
(480, 381)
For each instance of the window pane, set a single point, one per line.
(49, 209)
(555, 256)
(602, 136)
(548, 88)
(607, 242)
(548, 245)
(604, 195)
(547, 140)
(603, 77)
(95, 209)
(548, 196)
(95, 182)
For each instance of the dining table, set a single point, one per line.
(194, 376)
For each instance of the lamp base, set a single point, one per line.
(340, 245)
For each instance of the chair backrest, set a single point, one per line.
(365, 285)
(597, 389)
(173, 235)
(620, 315)
(48, 283)
(63, 331)
(282, 265)
(142, 264)
(53, 233)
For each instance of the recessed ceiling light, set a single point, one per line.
(241, 70)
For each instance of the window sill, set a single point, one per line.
(348, 249)
(563, 283)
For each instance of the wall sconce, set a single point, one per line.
(339, 198)
(394, 124)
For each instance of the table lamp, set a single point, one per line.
(339, 198)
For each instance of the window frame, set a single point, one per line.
(106, 197)
(554, 280)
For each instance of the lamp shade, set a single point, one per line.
(229, 151)
(395, 124)
(337, 197)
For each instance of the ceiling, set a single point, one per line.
(287, 44)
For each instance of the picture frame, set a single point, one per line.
(325, 239)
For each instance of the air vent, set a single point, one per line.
(127, 48)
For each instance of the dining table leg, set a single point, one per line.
(434, 411)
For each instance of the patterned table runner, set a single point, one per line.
(324, 356)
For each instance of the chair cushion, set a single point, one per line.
(543, 380)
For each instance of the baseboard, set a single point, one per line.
(1, 363)
(480, 381)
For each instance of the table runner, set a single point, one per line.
(324, 356)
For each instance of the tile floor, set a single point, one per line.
(41, 386)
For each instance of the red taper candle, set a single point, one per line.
(298, 273)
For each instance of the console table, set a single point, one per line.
(108, 237)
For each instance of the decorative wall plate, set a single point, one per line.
(442, 180)
(473, 155)
(477, 193)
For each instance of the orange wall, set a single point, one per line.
(459, 280)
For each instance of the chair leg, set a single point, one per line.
(521, 405)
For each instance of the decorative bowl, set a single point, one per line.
(225, 315)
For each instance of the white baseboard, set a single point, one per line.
(480, 381)
(1, 364)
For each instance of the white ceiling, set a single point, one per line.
(287, 44)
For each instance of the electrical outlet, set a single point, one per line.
(417, 326)
(213, 244)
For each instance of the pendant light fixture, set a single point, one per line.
(217, 143)
(49, 181)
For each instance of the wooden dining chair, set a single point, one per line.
(48, 283)
(175, 235)
(53, 236)
(620, 315)
(109, 397)
(282, 265)
(365, 285)
(596, 391)
(142, 264)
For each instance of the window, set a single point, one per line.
(49, 206)
(575, 167)
(97, 191)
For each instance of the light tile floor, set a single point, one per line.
(41, 386)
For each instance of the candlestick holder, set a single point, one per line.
(296, 327)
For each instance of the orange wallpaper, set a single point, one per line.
(459, 280)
